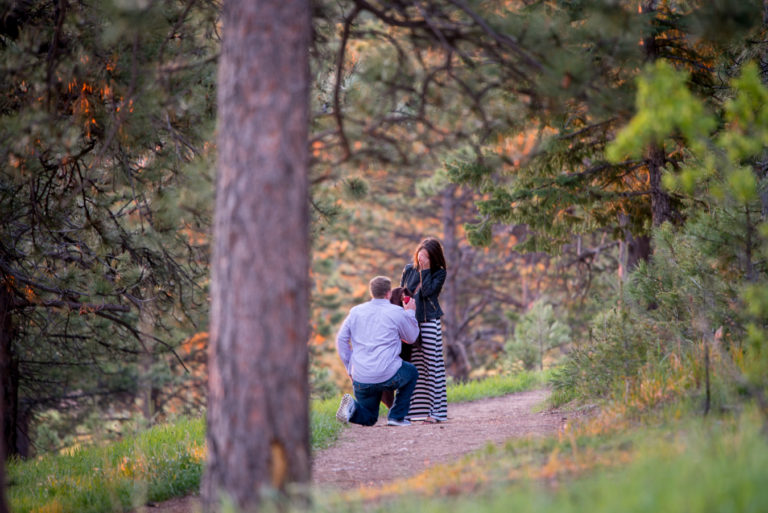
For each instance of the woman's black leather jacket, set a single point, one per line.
(427, 304)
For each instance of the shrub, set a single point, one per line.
(535, 333)
(618, 349)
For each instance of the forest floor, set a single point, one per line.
(370, 457)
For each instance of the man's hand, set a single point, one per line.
(410, 305)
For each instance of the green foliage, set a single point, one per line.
(618, 347)
(747, 116)
(715, 165)
(711, 275)
(664, 106)
(320, 383)
(562, 173)
(161, 463)
(707, 469)
(106, 186)
(692, 314)
(686, 289)
(356, 188)
(536, 332)
(673, 307)
(324, 428)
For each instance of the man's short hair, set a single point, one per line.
(379, 286)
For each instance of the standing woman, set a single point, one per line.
(424, 278)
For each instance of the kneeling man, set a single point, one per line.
(369, 345)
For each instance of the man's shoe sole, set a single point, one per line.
(341, 413)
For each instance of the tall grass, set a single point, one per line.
(156, 465)
(325, 429)
(496, 386)
(163, 462)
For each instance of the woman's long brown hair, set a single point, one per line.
(435, 252)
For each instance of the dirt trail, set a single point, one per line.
(380, 454)
(373, 456)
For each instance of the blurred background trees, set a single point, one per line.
(106, 114)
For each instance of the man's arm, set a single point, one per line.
(343, 343)
(408, 326)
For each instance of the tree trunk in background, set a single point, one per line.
(9, 374)
(258, 414)
(456, 359)
(761, 167)
(5, 389)
(146, 380)
(631, 249)
(661, 206)
(765, 12)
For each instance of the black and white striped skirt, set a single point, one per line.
(429, 399)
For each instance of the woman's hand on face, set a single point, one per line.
(423, 259)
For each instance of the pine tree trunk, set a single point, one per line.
(6, 392)
(661, 206)
(761, 166)
(457, 359)
(9, 374)
(765, 12)
(146, 328)
(258, 418)
(631, 249)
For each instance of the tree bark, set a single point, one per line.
(661, 204)
(761, 166)
(146, 381)
(9, 373)
(765, 12)
(457, 360)
(258, 418)
(6, 390)
(631, 249)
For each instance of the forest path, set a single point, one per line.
(374, 456)
(377, 455)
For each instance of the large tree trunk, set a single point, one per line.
(457, 360)
(5, 373)
(258, 418)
